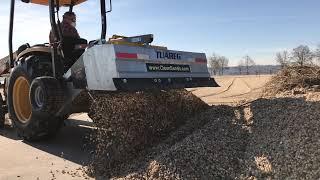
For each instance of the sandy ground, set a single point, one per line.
(59, 158)
(233, 89)
(62, 157)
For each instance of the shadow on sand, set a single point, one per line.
(69, 143)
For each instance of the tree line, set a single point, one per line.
(219, 63)
(299, 56)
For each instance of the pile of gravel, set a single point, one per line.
(293, 77)
(128, 123)
(284, 142)
(274, 138)
(267, 139)
(81, 103)
(206, 147)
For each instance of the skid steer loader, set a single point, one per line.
(41, 83)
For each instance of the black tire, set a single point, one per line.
(31, 124)
(46, 95)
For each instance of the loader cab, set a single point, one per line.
(40, 94)
(63, 48)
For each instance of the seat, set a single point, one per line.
(22, 48)
(73, 48)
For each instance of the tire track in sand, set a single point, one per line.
(223, 91)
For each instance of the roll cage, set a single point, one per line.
(54, 6)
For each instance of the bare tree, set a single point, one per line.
(218, 64)
(240, 66)
(214, 63)
(248, 63)
(302, 55)
(317, 53)
(223, 61)
(283, 58)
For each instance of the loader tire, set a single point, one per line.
(30, 123)
(46, 96)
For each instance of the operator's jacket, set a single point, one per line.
(67, 30)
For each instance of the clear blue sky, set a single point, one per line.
(232, 28)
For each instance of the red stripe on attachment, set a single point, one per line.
(200, 60)
(126, 56)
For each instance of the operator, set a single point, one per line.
(68, 27)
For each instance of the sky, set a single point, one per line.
(232, 28)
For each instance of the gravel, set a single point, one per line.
(174, 135)
(131, 122)
(206, 147)
(265, 139)
(293, 78)
(285, 139)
